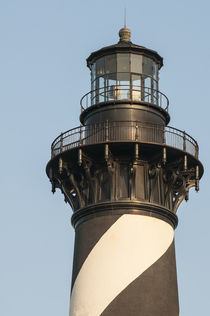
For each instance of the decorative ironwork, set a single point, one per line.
(124, 131)
(113, 180)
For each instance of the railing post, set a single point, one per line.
(60, 163)
(184, 149)
(184, 142)
(196, 151)
(61, 143)
(164, 148)
(106, 139)
(80, 143)
(164, 136)
(80, 136)
(152, 94)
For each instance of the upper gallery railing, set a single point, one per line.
(124, 93)
(124, 131)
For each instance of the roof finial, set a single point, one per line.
(125, 33)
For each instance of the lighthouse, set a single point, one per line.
(124, 172)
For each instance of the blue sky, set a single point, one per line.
(43, 75)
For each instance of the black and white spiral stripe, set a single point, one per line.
(124, 265)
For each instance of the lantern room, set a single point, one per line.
(124, 71)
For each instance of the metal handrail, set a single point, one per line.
(124, 92)
(124, 131)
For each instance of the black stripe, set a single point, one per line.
(154, 293)
(87, 234)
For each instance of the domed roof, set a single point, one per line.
(126, 46)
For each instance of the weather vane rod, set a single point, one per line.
(125, 17)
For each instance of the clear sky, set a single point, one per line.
(43, 75)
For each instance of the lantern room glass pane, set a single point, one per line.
(101, 89)
(154, 83)
(110, 64)
(93, 85)
(123, 82)
(123, 78)
(147, 82)
(100, 67)
(93, 74)
(155, 93)
(136, 63)
(123, 62)
(147, 66)
(147, 89)
(155, 71)
(136, 87)
(111, 84)
(111, 80)
(136, 82)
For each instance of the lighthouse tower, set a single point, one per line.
(124, 172)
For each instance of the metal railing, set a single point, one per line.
(124, 93)
(124, 131)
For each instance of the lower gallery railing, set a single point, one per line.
(124, 131)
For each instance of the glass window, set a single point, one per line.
(96, 98)
(123, 62)
(123, 78)
(123, 83)
(136, 82)
(100, 67)
(147, 82)
(93, 75)
(154, 84)
(93, 85)
(136, 87)
(111, 85)
(147, 66)
(154, 92)
(136, 63)
(110, 64)
(147, 89)
(155, 71)
(111, 80)
(101, 89)
(101, 82)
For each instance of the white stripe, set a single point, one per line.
(131, 245)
